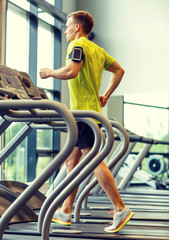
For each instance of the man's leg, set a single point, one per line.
(122, 214)
(84, 138)
(71, 162)
(107, 182)
(63, 215)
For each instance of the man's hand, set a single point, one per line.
(44, 73)
(103, 100)
(117, 74)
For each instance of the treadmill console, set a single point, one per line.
(9, 80)
(17, 82)
(28, 85)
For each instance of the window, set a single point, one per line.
(17, 58)
(14, 164)
(17, 41)
(45, 53)
(29, 29)
(21, 3)
(147, 115)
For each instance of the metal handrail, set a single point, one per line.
(57, 161)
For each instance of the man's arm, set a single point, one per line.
(69, 71)
(117, 74)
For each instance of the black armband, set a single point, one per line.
(77, 54)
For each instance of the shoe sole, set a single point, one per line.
(61, 222)
(122, 224)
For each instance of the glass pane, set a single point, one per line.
(146, 121)
(14, 164)
(44, 139)
(16, 57)
(42, 163)
(17, 43)
(154, 99)
(49, 94)
(50, 1)
(21, 3)
(45, 16)
(147, 115)
(45, 54)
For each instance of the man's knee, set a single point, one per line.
(70, 163)
(73, 158)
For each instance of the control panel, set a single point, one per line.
(28, 85)
(17, 82)
(9, 80)
(42, 93)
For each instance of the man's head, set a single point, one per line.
(80, 21)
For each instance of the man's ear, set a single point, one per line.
(77, 27)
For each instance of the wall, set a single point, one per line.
(136, 33)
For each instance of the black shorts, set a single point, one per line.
(85, 135)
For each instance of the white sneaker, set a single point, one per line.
(119, 220)
(61, 217)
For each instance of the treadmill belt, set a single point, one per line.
(93, 231)
(139, 215)
(131, 200)
(133, 206)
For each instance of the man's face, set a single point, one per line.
(70, 29)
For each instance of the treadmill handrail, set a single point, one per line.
(124, 146)
(74, 172)
(86, 170)
(14, 142)
(57, 161)
(132, 136)
(124, 182)
(119, 153)
(4, 124)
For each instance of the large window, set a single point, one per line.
(30, 36)
(148, 115)
(17, 41)
(45, 53)
(16, 57)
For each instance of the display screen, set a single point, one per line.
(11, 81)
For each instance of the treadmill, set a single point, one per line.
(11, 112)
(77, 230)
(151, 214)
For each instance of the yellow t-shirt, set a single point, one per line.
(84, 89)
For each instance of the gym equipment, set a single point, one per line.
(35, 202)
(16, 85)
(9, 79)
(53, 114)
(156, 164)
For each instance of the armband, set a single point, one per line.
(77, 54)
